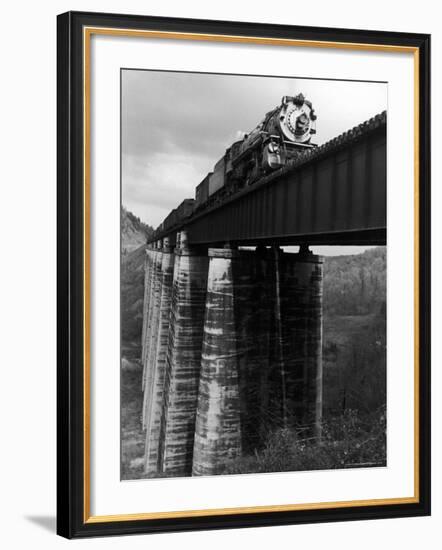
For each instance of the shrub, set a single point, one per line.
(348, 441)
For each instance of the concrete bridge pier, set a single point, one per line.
(154, 406)
(148, 268)
(232, 348)
(150, 310)
(265, 342)
(251, 322)
(147, 310)
(298, 318)
(152, 332)
(183, 361)
(218, 423)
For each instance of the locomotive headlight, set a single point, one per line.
(302, 122)
(303, 118)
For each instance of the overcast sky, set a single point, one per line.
(175, 126)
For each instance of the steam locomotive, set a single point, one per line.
(283, 134)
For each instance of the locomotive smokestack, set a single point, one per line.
(299, 100)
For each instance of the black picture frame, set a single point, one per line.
(72, 520)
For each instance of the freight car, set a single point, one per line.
(185, 209)
(202, 191)
(171, 220)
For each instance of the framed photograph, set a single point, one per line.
(243, 274)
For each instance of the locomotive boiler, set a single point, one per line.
(283, 134)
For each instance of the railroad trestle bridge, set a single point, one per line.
(232, 324)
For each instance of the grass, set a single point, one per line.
(132, 435)
(348, 441)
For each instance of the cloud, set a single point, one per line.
(153, 187)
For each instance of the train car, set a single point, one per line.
(185, 209)
(216, 180)
(202, 191)
(171, 219)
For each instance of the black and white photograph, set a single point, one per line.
(253, 274)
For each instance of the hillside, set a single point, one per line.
(134, 234)
(132, 285)
(355, 285)
(133, 231)
(354, 351)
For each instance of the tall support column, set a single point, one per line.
(152, 337)
(149, 310)
(146, 303)
(280, 408)
(249, 305)
(155, 410)
(300, 295)
(218, 424)
(265, 343)
(183, 362)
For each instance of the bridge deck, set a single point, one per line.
(334, 195)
